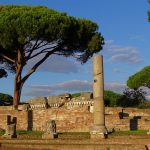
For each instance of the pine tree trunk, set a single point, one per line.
(17, 93)
(18, 81)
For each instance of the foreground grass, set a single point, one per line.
(23, 132)
(133, 132)
(74, 133)
(84, 135)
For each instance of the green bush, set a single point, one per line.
(111, 98)
(6, 99)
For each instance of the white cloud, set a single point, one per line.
(115, 86)
(127, 54)
(56, 64)
(68, 86)
(126, 58)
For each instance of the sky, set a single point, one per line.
(126, 30)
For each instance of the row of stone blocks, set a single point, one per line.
(56, 105)
(74, 146)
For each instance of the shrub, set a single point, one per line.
(5, 99)
(111, 98)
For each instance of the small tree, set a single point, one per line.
(29, 32)
(6, 99)
(135, 94)
(132, 98)
(141, 78)
(111, 98)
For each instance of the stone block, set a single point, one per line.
(98, 132)
(10, 131)
(49, 136)
(98, 136)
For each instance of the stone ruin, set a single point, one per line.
(99, 129)
(63, 100)
(10, 128)
(94, 122)
(50, 131)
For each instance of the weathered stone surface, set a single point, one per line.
(49, 136)
(10, 131)
(86, 95)
(112, 143)
(50, 130)
(98, 130)
(78, 119)
(37, 100)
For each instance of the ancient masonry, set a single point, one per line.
(76, 115)
(85, 113)
(99, 129)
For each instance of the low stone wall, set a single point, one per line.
(127, 118)
(21, 118)
(66, 120)
(78, 119)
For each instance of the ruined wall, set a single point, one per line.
(127, 118)
(77, 119)
(21, 116)
(66, 120)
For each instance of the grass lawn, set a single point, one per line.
(72, 135)
(133, 132)
(62, 135)
(23, 132)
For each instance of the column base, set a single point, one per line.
(99, 132)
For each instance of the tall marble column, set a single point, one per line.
(98, 130)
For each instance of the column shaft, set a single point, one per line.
(99, 129)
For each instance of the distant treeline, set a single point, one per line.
(5, 99)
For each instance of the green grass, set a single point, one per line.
(23, 132)
(133, 132)
(74, 133)
(66, 135)
(79, 134)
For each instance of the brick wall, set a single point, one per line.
(77, 119)
(21, 116)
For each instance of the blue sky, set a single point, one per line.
(126, 30)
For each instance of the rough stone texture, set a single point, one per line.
(112, 143)
(77, 119)
(86, 95)
(37, 100)
(50, 132)
(66, 120)
(98, 130)
(10, 131)
(21, 116)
